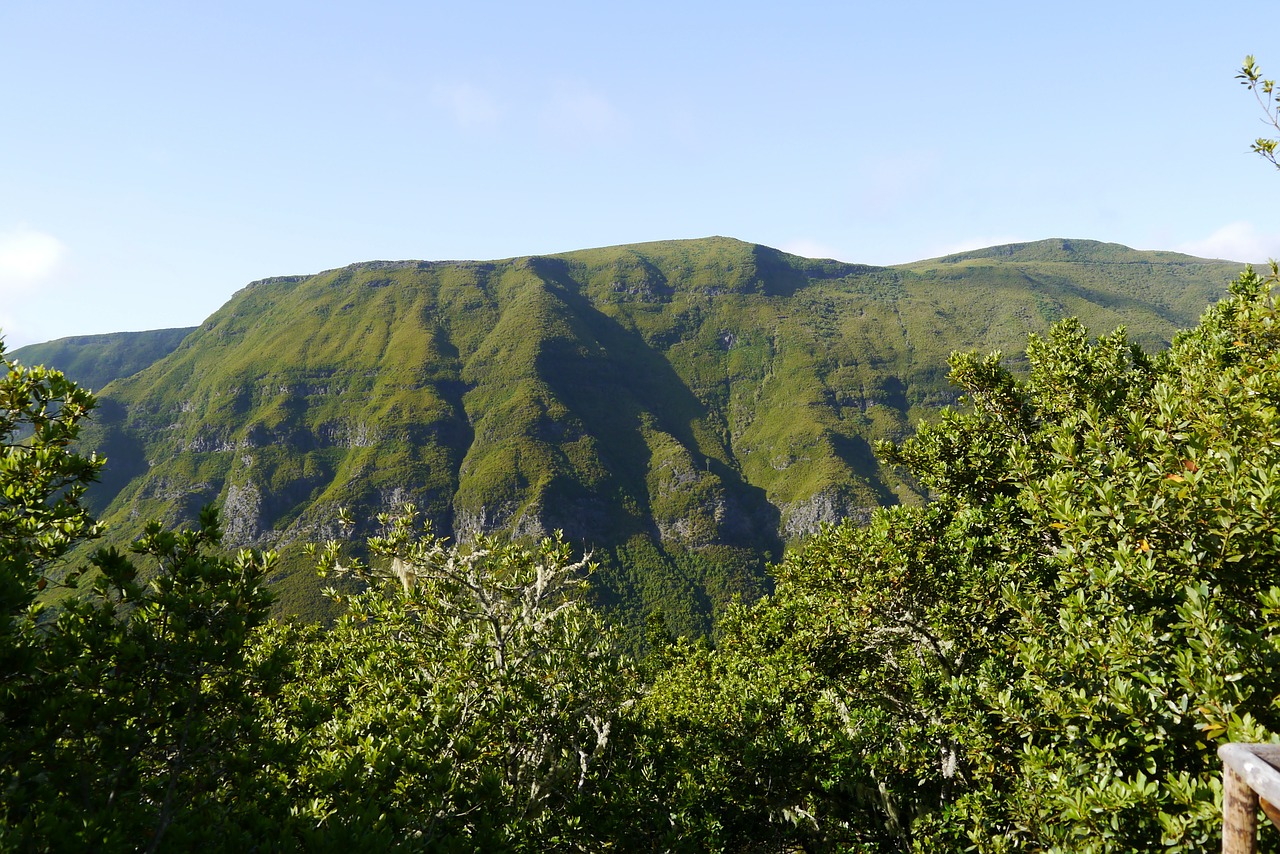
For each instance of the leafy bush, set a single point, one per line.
(1044, 657)
(464, 701)
(126, 717)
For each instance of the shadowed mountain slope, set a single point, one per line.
(95, 360)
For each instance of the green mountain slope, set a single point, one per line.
(95, 360)
(683, 408)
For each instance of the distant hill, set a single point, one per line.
(93, 361)
(1071, 251)
(682, 408)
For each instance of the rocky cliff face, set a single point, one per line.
(829, 507)
(242, 522)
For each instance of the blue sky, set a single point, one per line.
(157, 156)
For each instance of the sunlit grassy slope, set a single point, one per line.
(682, 408)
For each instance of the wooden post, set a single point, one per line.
(1239, 814)
(1250, 777)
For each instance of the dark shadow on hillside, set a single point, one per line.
(610, 394)
(776, 273)
(1117, 302)
(782, 275)
(857, 454)
(891, 391)
(455, 433)
(126, 456)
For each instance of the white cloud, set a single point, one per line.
(1236, 241)
(469, 105)
(581, 114)
(27, 257)
(806, 248)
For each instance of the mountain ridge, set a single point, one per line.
(682, 408)
(1063, 249)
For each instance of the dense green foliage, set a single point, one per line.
(132, 703)
(467, 706)
(681, 409)
(1043, 656)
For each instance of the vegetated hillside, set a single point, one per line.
(1158, 286)
(683, 408)
(95, 360)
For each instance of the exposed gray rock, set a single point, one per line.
(242, 515)
(205, 443)
(828, 507)
(489, 519)
(346, 434)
